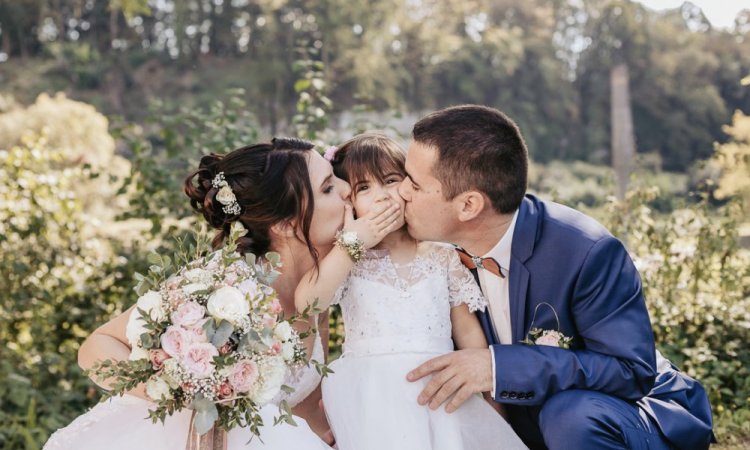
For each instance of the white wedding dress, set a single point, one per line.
(395, 318)
(122, 423)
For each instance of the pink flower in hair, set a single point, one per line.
(330, 153)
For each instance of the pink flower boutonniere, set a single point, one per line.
(552, 338)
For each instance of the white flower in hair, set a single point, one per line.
(225, 196)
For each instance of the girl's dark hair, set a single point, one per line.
(368, 155)
(271, 182)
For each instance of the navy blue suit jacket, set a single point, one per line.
(566, 259)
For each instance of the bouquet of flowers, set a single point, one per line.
(210, 337)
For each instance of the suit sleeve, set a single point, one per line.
(618, 355)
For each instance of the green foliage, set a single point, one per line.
(545, 63)
(733, 158)
(312, 103)
(59, 282)
(168, 146)
(696, 281)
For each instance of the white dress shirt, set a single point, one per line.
(496, 290)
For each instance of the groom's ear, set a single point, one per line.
(470, 204)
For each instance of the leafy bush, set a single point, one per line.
(59, 282)
(63, 275)
(696, 281)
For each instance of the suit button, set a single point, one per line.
(522, 396)
(513, 395)
(529, 395)
(504, 394)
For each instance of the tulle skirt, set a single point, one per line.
(371, 406)
(122, 423)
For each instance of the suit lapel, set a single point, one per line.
(528, 227)
(519, 283)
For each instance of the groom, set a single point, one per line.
(561, 274)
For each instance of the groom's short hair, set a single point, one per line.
(478, 148)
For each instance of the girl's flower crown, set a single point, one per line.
(330, 153)
(225, 196)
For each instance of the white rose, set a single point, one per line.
(283, 331)
(225, 196)
(198, 276)
(273, 372)
(229, 304)
(158, 389)
(138, 353)
(135, 328)
(190, 288)
(287, 351)
(151, 302)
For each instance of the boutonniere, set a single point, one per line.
(552, 338)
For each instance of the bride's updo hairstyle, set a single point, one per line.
(271, 183)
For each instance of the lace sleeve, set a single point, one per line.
(461, 285)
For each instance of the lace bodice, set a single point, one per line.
(383, 299)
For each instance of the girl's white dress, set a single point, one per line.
(396, 318)
(122, 423)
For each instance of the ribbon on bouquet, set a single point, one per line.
(213, 439)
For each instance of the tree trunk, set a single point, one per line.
(623, 138)
(6, 44)
(115, 84)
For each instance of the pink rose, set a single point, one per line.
(226, 348)
(550, 338)
(225, 390)
(243, 376)
(188, 314)
(199, 359)
(157, 358)
(196, 333)
(275, 348)
(175, 340)
(276, 306)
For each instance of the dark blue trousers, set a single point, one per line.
(579, 420)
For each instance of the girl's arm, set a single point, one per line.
(467, 333)
(108, 342)
(321, 284)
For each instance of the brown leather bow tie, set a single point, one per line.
(472, 262)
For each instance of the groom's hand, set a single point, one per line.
(457, 375)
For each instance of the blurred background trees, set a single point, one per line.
(106, 105)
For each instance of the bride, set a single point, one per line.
(291, 203)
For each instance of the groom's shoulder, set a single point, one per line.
(567, 222)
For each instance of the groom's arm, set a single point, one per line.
(611, 317)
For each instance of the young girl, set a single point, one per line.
(402, 302)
